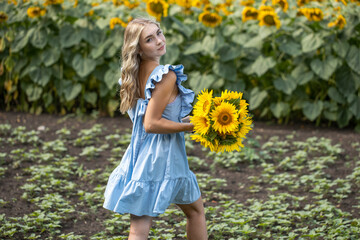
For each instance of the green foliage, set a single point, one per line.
(300, 198)
(67, 60)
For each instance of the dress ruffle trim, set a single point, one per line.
(128, 197)
(187, 95)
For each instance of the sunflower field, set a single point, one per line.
(291, 59)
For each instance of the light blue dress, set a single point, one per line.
(154, 170)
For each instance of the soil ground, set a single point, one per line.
(10, 187)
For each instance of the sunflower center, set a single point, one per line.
(224, 118)
(282, 4)
(157, 7)
(269, 19)
(210, 18)
(36, 11)
(251, 14)
(3, 16)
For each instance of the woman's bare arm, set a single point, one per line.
(153, 120)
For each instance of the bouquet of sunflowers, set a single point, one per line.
(221, 123)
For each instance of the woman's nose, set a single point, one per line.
(158, 40)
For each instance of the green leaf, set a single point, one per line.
(225, 70)
(312, 109)
(72, 91)
(9, 63)
(112, 106)
(83, 66)
(290, 47)
(353, 59)
(341, 48)
(69, 36)
(111, 77)
(50, 56)
(256, 98)
(344, 117)
(39, 38)
(280, 109)
(336, 96)
(94, 36)
(91, 97)
(40, 76)
(213, 44)
(355, 108)
(287, 85)
(345, 80)
(240, 39)
(22, 38)
(194, 48)
(178, 25)
(302, 75)
(199, 82)
(255, 42)
(228, 53)
(99, 50)
(33, 92)
(262, 65)
(172, 55)
(324, 69)
(311, 42)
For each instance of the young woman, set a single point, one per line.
(154, 170)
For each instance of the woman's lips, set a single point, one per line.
(161, 48)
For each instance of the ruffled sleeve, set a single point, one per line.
(187, 95)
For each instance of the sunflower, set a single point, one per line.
(225, 118)
(185, 3)
(131, 4)
(197, 3)
(312, 14)
(3, 17)
(269, 18)
(206, 143)
(157, 8)
(244, 127)
(339, 22)
(53, 2)
(117, 3)
(202, 107)
(301, 3)
(34, 12)
(210, 19)
(249, 13)
(247, 3)
(230, 95)
(266, 8)
(283, 4)
(224, 8)
(13, 2)
(234, 145)
(117, 21)
(201, 124)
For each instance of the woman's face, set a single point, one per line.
(152, 43)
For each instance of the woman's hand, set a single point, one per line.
(186, 119)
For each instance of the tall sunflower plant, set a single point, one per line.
(221, 123)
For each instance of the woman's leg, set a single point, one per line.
(139, 227)
(196, 223)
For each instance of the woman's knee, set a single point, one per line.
(192, 210)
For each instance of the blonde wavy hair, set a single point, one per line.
(130, 90)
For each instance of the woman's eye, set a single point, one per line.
(148, 40)
(159, 32)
